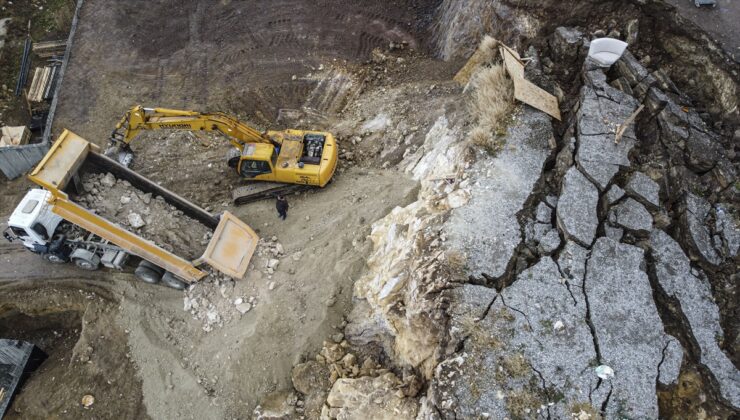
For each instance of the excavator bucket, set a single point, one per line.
(231, 247)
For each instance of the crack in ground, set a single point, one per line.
(488, 309)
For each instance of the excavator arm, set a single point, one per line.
(139, 118)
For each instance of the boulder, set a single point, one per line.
(694, 294)
(644, 189)
(632, 215)
(310, 377)
(576, 212)
(369, 397)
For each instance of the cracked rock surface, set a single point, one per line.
(628, 329)
(576, 212)
(694, 295)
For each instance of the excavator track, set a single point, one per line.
(257, 191)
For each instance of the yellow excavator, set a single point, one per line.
(283, 161)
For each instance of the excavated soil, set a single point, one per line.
(150, 217)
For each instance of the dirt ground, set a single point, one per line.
(719, 22)
(289, 67)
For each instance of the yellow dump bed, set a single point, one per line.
(229, 251)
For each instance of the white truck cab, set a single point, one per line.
(32, 220)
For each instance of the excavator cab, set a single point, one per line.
(258, 162)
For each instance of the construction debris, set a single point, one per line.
(14, 136)
(151, 217)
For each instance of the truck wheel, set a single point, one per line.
(148, 272)
(85, 259)
(54, 258)
(173, 281)
(147, 275)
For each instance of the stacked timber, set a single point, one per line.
(42, 85)
(48, 49)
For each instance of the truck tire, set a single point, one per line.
(147, 275)
(54, 258)
(173, 281)
(85, 259)
(148, 272)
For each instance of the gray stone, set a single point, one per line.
(108, 180)
(628, 328)
(598, 156)
(467, 305)
(644, 189)
(544, 213)
(533, 341)
(696, 233)
(572, 262)
(631, 69)
(135, 220)
(549, 243)
(727, 229)
(694, 294)
(671, 365)
(613, 233)
(552, 200)
(576, 212)
(614, 194)
(490, 245)
(567, 44)
(633, 216)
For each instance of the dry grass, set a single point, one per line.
(493, 103)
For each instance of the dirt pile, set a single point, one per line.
(150, 217)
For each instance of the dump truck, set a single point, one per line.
(274, 162)
(45, 215)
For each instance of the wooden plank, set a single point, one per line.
(526, 91)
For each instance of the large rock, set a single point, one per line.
(696, 233)
(728, 230)
(490, 240)
(599, 117)
(632, 215)
(576, 212)
(310, 377)
(694, 294)
(532, 349)
(644, 189)
(568, 45)
(369, 397)
(628, 328)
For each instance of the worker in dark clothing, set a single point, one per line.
(282, 207)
